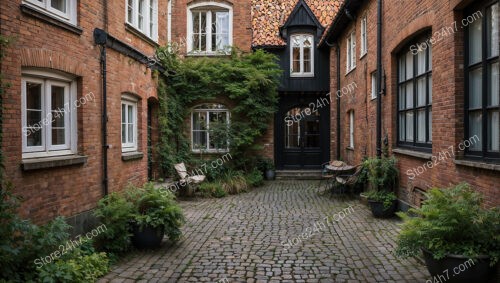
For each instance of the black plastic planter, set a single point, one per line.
(379, 211)
(270, 175)
(147, 237)
(460, 269)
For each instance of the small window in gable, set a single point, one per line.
(302, 55)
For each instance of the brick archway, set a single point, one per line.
(43, 58)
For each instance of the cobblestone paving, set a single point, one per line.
(239, 238)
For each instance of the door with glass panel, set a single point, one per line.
(302, 138)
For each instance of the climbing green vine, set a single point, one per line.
(248, 80)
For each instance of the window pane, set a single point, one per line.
(130, 10)
(430, 125)
(421, 128)
(220, 29)
(152, 18)
(430, 58)
(199, 120)
(307, 42)
(402, 125)
(493, 131)
(58, 5)
(493, 90)
(307, 60)
(33, 96)
(409, 95)
(57, 98)
(141, 14)
(475, 42)
(196, 22)
(476, 129)
(124, 133)
(492, 27)
(402, 97)
(130, 133)
(34, 137)
(34, 118)
(430, 89)
(203, 22)
(124, 115)
(421, 68)
(402, 68)
(421, 91)
(475, 88)
(296, 60)
(409, 65)
(58, 136)
(409, 126)
(130, 114)
(200, 140)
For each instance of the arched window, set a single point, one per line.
(415, 95)
(302, 55)
(209, 128)
(210, 28)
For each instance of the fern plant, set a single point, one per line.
(451, 221)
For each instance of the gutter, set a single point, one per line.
(379, 78)
(338, 101)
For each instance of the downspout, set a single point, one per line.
(169, 22)
(379, 78)
(338, 100)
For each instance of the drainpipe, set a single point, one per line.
(169, 22)
(100, 38)
(379, 78)
(338, 100)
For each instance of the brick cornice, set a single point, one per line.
(43, 58)
(419, 24)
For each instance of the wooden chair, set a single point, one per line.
(347, 181)
(327, 176)
(191, 182)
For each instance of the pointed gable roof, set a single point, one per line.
(269, 17)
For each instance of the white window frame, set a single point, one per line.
(46, 149)
(351, 129)
(209, 8)
(302, 73)
(208, 111)
(129, 100)
(351, 52)
(374, 85)
(44, 6)
(364, 37)
(148, 15)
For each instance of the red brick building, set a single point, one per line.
(439, 91)
(53, 112)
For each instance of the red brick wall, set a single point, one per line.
(70, 190)
(403, 20)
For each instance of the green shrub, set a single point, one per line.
(115, 212)
(234, 182)
(212, 189)
(387, 198)
(76, 266)
(255, 178)
(144, 206)
(451, 221)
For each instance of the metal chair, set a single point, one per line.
(327, 176)
(347, 181)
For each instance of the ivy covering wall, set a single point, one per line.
(249, 80)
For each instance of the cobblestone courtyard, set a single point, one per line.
(240, 238)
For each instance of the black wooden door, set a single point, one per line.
(302, 136)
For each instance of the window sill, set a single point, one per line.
(477, 164)
(52, 162)
(350, 71)
(422, 155)
(35, 13)
(364, 55)
(133, 155)
(301, 76)
(208, 54)
(141, 35)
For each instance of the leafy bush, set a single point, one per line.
(255, 178)
(77, 266)
(23, 244)
(142, 206)
(451, 221)
(212, 189)
(382, 173)
(234, 182)
(387, 198)
(114, 211)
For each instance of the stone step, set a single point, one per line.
(298, 175)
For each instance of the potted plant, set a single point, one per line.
(460, 239)
(269, 169)
(155, 213)
(383, 177)
(141, 216)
